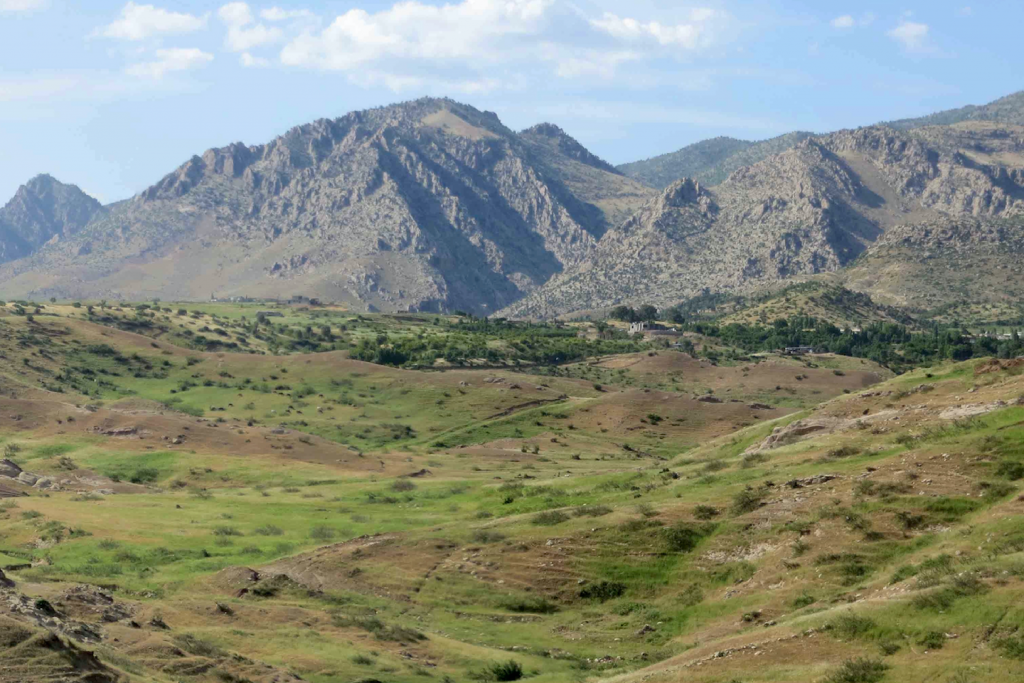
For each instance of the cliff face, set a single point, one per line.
(813, 209)
(428, 205)
(433, 205)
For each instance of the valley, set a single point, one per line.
(283, 511)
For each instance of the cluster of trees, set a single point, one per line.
(642, 314)
(491, 342)
(889, 344)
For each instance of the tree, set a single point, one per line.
(624, 313)
(647, 313)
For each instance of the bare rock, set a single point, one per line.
(9, 468)
(28, 478)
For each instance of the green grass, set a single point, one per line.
(565, 555)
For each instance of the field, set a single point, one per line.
(285, 512)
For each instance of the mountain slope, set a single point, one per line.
(427, 205)
(42, 209)
(1009, 109)
(591, 179)
(709, 161)
(813, 209)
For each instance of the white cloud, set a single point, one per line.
(591, 63)
(913, 36)
(966, 11)
(691, 35)
(16, 90)
(474, 45)
(249, 60)
(139, 22)
(244, 33)
(21, 5)
(469, 31)
(847, 21)
(170, 60)
(278, 14)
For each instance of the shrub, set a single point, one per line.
(851, 626)
(592, 511)
(1010, 469)
(321, 533)
(804, 601)
(268, 530)
(487, 536)
(1012, 648)
(531, 605)
(144, 475)
(952, 509)
(505, 671)
(380, 630)
(197, 646)
(683, 537)
(933, 640)
(858, 671)
(403, 485)
(963, 586)
(843, 452)
(903, 573)
(606, 590)
(705, 512)
(748, 500)
(549, 518)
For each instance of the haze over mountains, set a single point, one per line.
(433, 205)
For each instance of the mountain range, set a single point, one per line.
(433, 205)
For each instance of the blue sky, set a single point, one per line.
(112, 95)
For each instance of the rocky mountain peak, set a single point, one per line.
(42, 209)
(685, 191)
(551, 135)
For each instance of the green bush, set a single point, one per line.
(804, 600)
(592, 511)
(197, 646)
(933, 640)
(322, 533)
(851, 626)
(1010, 469)
(530, 605)
(705, 512)
(1011, 648)
(606, 590)
(748, 500)
(549, 518)
(505, 671)
(487, 536)
(858, 671)
(684, 537)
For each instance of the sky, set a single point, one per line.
(112, 96)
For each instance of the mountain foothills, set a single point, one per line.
(435, 206)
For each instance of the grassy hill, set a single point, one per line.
(818, 299)
(225, 516)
